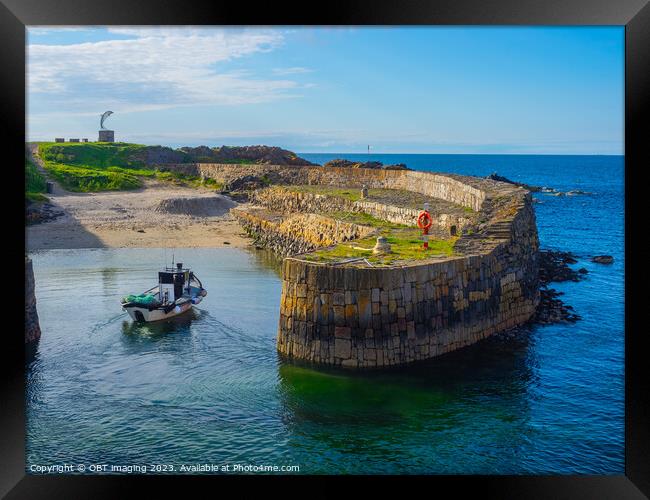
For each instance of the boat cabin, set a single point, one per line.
(174, 282)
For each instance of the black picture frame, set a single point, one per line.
(633, 14)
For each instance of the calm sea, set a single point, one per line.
(209, 388)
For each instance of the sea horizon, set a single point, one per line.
(452, 154)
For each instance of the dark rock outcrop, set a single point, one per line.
(248, 183)
(200, 154)
(553, 310)
(32, 327)
(265, 155)
(554, 267)
(340, 162)
(38, 212)
(159, 154)
(602, 259)
(537, 189)
(534, 189)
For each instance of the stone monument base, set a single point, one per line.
(106, 136)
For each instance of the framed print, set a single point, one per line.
(381, 244)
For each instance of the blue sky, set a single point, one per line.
(510, 90)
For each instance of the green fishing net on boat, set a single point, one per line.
(145, 299)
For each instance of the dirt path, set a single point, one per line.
(159, 215)
(32, 150)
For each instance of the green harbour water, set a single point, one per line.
(208, 386)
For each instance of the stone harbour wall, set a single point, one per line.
(288, 201)
(462, 190)
(299, 233)
(357, 316)
(32, 327)
(371, 317)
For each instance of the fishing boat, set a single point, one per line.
(178, 289)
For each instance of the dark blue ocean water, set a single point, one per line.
(209, 388)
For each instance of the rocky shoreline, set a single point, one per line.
(555, 268)
(553, 310)
(537, 189)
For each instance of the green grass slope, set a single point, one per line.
(117, 166)
(95, 154)
(34, 183)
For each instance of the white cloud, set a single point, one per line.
(295, 70)
(48, 30)
(155, 69)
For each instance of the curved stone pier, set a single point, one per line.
(359, 316)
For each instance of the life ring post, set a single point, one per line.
(424, 222)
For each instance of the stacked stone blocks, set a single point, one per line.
(358, 316)
(462, 190)
(364, 317)
(287, 201)
(299, 233)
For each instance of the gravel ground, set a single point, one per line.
(158, 215)
(195, 218)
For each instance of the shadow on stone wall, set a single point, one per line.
(32, 326)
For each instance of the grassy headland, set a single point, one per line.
(99, 154)
(110, 166)
(91, 167)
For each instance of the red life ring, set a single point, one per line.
(429, 220)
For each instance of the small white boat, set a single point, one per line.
(177, 291)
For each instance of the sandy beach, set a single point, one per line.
(158, 216)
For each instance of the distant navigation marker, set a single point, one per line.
(105, 135)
